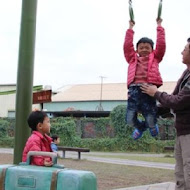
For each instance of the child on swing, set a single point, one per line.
(143, 68)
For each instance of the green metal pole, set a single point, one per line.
(25, 76)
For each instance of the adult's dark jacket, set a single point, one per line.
(179, 102)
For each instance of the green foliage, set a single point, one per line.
(123, 144)
(6, 129)
(7, 142)
(70, 131)
(101, 127)
(100, 144)
(168, 130)
(3, 128)
(147, 143)
(65, 128)
(118, 120)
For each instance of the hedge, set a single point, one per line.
(106, 134)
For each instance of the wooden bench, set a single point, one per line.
(75, 149)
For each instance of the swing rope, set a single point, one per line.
(131, 13)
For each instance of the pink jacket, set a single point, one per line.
(37, 142)
(153, 74)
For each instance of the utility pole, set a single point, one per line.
(25, 76)
(100, 108)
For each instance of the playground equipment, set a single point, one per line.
(159, 10)
(25, 176)
(131, 12)
(25, 76)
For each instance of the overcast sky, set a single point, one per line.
(77, 41)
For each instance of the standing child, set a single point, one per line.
(54, 143)
(39, 122)
(143, 69)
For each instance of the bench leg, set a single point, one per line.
(63, 154)
(79, 155)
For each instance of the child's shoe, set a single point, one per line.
(154, 131)
(137, 134)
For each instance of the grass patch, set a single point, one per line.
(112, 176)
(167, 159)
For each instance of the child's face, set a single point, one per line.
(45, 126)
(57, 141)
(144, 49)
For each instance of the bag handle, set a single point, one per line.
(41, 153)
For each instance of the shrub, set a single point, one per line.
(65, 128)
(118, 120)
(71, 130)
(96, 128)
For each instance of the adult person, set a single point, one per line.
(179, 102)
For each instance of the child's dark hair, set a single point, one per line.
(145, 40)
(54, 137)
(35, 118)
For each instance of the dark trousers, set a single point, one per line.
(139, 102)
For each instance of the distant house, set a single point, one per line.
(91, 97)
(8, 100)
(83, 97)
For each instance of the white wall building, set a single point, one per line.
(7, 101)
